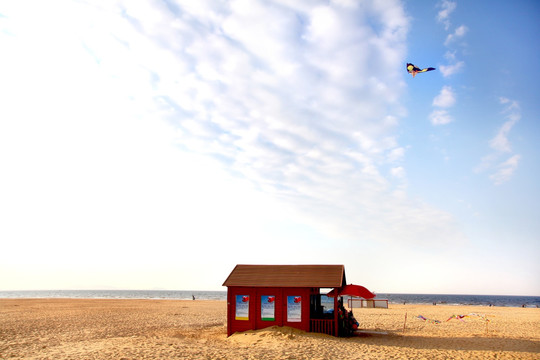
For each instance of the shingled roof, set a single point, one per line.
(320, 276)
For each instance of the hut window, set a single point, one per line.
(321, 307)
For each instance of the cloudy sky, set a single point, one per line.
(156, 144)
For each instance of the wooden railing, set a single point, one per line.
(323, 326)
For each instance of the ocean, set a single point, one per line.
(481, 300)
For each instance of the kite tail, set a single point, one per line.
(427, 69)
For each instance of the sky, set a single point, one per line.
(157, 144)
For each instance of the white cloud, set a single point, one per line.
(443, 16)
(398, 172)
(505, 170)
(440, 117)
(450, 55)
(461, 31)
(500, 144)
(449, 70)
(512, 108)
(458, 33)
(396, 154)
(269, 106)
(446, 97)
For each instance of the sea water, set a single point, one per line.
(478, 300)
(118, 294)
(481, 300)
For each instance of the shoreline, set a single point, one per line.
(427, 299)
(202, 299)
(187, 329)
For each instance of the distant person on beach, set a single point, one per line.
(193, 296)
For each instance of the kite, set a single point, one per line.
(461, 317)
(428, 320)
(481, 316)
(413, 69)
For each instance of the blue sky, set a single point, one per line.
(155, 145)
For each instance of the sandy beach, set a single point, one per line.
(170, 329)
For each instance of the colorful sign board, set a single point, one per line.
(242, 307)
(268, 308)
(294, 308)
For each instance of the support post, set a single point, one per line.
(336, 316)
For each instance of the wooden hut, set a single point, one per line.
(260, 296)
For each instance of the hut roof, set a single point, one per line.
(320, 276)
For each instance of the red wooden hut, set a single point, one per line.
(260, 296)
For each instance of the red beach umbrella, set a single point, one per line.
(352, 290)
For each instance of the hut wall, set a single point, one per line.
(260, 307)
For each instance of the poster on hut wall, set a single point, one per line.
(268, 308)
(294, 308)
(242, 307)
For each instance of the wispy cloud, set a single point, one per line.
(443, 16)
(297, 102)
(500, 142)
(398, 172)
(296, 122)
(445, 99)
(502, 171)
(440, 117)
(449, 70)
(396, 155)
(458, 33)
(505, 170)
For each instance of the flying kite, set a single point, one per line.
(413, 69)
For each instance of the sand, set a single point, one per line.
(170, 329)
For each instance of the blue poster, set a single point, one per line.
(268, 308)
(242, 307)
(294, 308)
